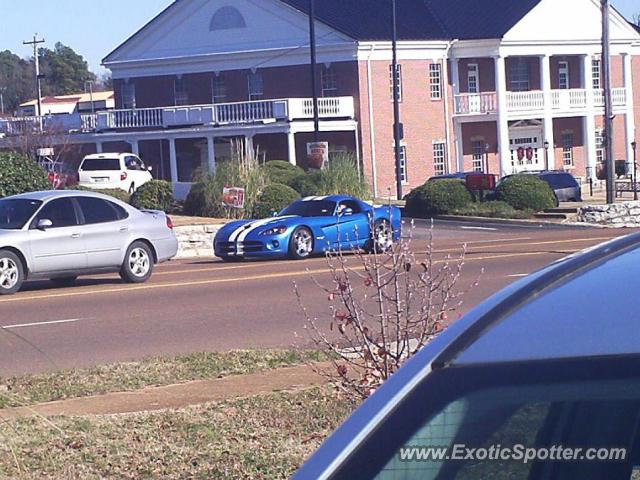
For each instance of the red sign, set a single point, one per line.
(233, 197)
(481, 181)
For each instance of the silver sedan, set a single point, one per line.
(60, 235)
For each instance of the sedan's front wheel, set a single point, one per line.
(11, 272)
(138, 263)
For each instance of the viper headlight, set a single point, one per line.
(279, 230)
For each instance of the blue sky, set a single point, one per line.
(95, 27)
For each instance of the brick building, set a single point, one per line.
(498, 85)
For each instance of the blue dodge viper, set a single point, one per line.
(311, 226)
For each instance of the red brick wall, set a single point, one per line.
(487, 132)
(617, 71)
(279, 82)
(572, 125)
(423, 119)
(619, 136)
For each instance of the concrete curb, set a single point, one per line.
(510, 221)
(196, 241)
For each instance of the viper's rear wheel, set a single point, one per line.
(301, 243)
(382, 236)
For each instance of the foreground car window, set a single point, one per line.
(310, 208)
(14, 214)
(96, 210)
(61, 212)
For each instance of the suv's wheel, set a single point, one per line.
(301, 243)
(11, 272)
(64, 281)
(132, 189)
(138, 263)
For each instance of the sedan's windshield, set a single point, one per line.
(310, 208)
(14, 213)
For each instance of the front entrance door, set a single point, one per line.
(527, 152)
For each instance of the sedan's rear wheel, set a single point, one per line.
(301, 243)
(11, 272)
(138, 263)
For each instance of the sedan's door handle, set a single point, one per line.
(75, 235)
(124, 229)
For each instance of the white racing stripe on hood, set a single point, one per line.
(259, 224)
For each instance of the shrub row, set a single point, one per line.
(517, 193)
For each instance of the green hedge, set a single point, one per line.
(20, 174)
(279, 171)
(274, 198)
(526, 192)
(307, 185)
(112, 192)
(437, 197)
(492, 209)
(154, 195)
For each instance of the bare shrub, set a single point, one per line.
(383, 308)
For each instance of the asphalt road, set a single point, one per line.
(206, 305)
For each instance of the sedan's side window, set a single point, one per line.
(97, 210)
(61, 212)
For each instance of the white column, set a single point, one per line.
(459, 145)
(211, 154)
(356, 135)
(455, 75)
(173, 160)
(503, 121)
(291, 144)
(589, 124)
(630, 123)
(545, 83)
(99, 148)
(135, 147)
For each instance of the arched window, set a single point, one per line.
(227, 18)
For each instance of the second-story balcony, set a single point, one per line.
(561, 101)
(219, 114)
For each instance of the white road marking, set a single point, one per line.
(496, 240)
(480, 228)
(38, 324)
(519, 275)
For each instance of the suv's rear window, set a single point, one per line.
(560, 180)
(94, 164)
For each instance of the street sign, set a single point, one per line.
(317, 154)
(45, 152)
(233, 197)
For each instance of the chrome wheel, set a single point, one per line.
(383, 237)
(139, 262)
(9, 273)
(303, 243)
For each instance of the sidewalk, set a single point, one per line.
(175, 396)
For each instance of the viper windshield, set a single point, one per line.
(15, 213)
(310, 208)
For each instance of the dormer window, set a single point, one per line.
(227, 18)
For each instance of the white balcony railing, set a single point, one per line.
(570, 100)
(476, 103)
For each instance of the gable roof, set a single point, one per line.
(420, 19)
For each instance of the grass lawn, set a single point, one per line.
(262, 437)
(154, 371)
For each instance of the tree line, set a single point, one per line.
(63, 72)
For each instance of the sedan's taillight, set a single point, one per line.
(123, 176)
(169, 222)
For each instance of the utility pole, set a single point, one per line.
(608, 102)
(314, 87)
(35, 42)
(396, 100)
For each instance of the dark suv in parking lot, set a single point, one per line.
(564, 185)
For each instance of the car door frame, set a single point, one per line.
(356, 231)
(38, 262)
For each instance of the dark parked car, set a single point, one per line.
(564, 185)
(551, 361)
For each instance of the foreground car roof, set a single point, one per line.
(579, 307)
(51, 194)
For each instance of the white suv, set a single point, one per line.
(113, 170)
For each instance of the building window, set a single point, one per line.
(129, 95)
(478, 155)
(180, 94)
(329, 82)
(567, 149)
(600, 146)
(472, 78)
(563, 75)
(218, 89)
(227, 18)
(435, 81)
(399, 76)
(439, 158)
(256, 86)
(520, 79)
(596, 73)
